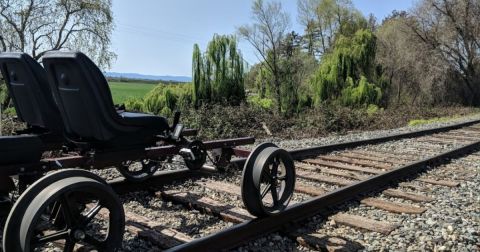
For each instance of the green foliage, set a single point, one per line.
(165, 99)
(134, 104)
(417, 122)
(218, 74)
(3, 91)
(364, 93)
(9, 112)
(348, 72)
(373, 109)
(258, 102)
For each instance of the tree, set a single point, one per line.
(39, 26)
(451, 28)
(406, 64)
(348, 73)
(325, 20)
(265, 35)
(296, 66)
(198, 76)
(218, 74)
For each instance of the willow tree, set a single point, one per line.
(218, 74)
(348, 73)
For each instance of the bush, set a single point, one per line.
(263, 103)
(373, 109)
(9, 112)
(165, 99)
(134, 104)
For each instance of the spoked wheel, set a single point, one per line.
(138, 171)
(70, 209)
(198, 155)
(268, 181)
(222, 158)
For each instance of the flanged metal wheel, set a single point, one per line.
(268, 180)
(138, 171)
(199, 153)
(70, 209)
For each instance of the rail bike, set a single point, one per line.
(73, 126)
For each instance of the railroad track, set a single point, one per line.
(392, 175)
(386, 177)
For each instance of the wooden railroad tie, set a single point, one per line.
(361, 222)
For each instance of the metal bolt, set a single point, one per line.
(79, 235)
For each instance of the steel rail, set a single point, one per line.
(239, 234)
(122, 185)
(304, 153)
(314, 151)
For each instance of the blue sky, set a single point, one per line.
(157, 36)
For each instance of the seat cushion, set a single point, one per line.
(144, 120)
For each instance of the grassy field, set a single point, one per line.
(121, 91)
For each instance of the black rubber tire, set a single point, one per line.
(41, 194)
(252, 179)
(149, 167)
(11, 228)
(200, 153)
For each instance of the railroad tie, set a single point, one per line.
(407, 195)
(323, 179)
(439, 182)
(164, 238)
(343, 166)
(326, 170)
(236, 190)
(323, 242)
(370, 158)
(458, 137)
(438, 141)
(384, 154)
(152, 231)
(309, 190)
(355, 161)
(207, 205)
(361, 222)
(393, 206)
(222, 187)
(414, 187)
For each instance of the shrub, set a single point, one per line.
(263, 103)
(134, 104)
(165, 99)
(373, 109)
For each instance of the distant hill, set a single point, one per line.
(136, 76)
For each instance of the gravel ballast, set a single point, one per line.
(450, 223)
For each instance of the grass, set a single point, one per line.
(432, 120)
(121, 91)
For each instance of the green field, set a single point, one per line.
(121, 91)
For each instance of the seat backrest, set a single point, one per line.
(28, 87)
(83, 97)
